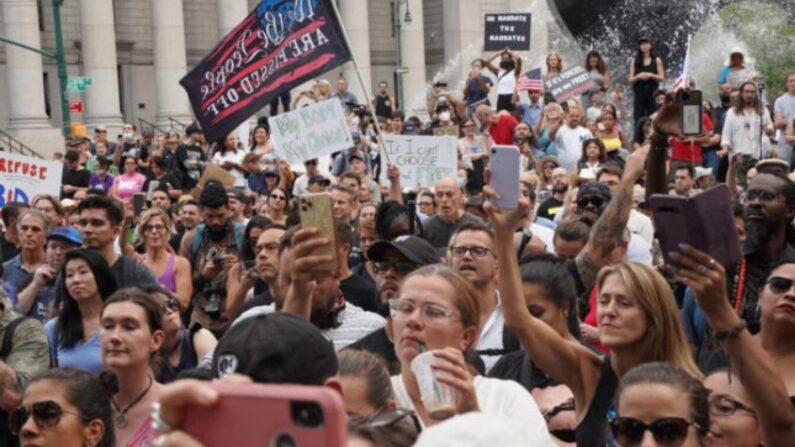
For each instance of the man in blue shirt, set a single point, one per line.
(532, 111)
(347, 98)
(32, 228)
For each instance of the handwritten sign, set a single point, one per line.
(507, 30)
(311, 132)
(569, 84)
(421, 160)
(281, 44)
(22, 178)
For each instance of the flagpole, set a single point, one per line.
(366, 91)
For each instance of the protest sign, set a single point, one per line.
(569, 84)
(22, 178)
(213, 172)
(451, 131)
(421, 160)
(311, 132)
(507, 30)
(280, 45)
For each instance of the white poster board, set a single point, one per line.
(311, 132)
(23, 178)
(422, 160)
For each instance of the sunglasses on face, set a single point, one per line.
(45, 414)
(779, 284)
(401, 267)
(278, 197)
(668, 432)
(761, 194)
(597, 201)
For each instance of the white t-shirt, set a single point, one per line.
(741, 133)
(502, 398)
(638, 250)
(546, 235)
(569, 143)
(785, 105)
(641, 225)
(236, 157)
(506, 82)
(491, 335)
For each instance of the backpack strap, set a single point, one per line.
(198, 235)
(8, 337)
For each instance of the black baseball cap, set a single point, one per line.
(278, 347)
(355, 155)
(319, 179)
(594, 188)
(415, 249)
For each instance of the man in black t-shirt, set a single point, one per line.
(560, 184)
(190, 161)
(75, 177)
(449, 214)
(356, 290)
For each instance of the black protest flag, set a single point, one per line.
(281, 44)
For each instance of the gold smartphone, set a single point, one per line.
(316, 211)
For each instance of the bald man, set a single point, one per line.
(449, 215)
(500, 126)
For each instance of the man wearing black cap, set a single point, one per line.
(75, 177)
(34, 300)
(301, 184)
(318, 183)
(393, 261)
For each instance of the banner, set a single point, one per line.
(311, 132)
(569, 84)
(23, 178)
(507, 30)
(421, 160)
(280, 45)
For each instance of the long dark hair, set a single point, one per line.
(601, 66)
(91, 395)
(549, 273)
(69, 329)
(739, 102)
(256, 221)
(639, 58)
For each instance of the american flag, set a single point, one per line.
(531, 81)
(683, 80)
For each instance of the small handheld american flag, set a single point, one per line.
(530, 81)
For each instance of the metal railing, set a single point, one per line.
(175, 123)
(11, 144)
(142, 123)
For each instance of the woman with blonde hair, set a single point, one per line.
(173, 272)
(637, 320)
(553, 113)
(554, 64)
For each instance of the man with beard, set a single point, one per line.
(450, 213)
(471, 253)
(314, 294)
(393, 262)
(213, 248)
(560, 184)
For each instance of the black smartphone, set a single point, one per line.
(138, 203)
(692, 111)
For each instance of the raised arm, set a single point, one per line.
(487, 63)
(304, 268)
(395, 190)
(765, 386)
(609, 229)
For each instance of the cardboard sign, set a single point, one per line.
(311, 132)
(22, 178)
(213, 172)
(421, 160)
(451, 131)
(507, 30)
(569, 84)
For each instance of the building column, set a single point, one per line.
(412, 41)
(463, 36)
(539, 30)
(98, 36)
(355, 18)
(170, 62)
(230, 14)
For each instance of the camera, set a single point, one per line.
(214, 255)
(215, 297)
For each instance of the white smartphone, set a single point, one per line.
(505, 167)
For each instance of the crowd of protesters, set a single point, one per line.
(555, 323)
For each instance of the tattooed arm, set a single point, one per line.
(609, 229)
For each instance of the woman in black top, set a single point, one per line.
(646, 72)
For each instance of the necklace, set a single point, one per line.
(121, 420)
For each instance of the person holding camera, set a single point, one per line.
(477, 87)
(131, 146)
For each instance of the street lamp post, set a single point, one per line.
(400, 70)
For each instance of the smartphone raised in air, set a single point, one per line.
(505, 167)
(692, 112)
(316, 211)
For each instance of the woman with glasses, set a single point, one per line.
(172, 272)
(733, 421)
(277, 206)
(128, 183)
(764, 365)
(437, 309)
(64, 407)
(660, 405)
(131, 337)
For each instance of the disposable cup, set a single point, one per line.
(438, 398)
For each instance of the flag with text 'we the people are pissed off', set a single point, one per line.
(281, 44)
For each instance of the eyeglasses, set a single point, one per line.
(779, 284)
(278, 197)
(670, 432)
(725, 405)
(45, 414)
(429, 313)
(170, 305)
(401, 267)
(154, 227)
(762, 195)
(476, 252)
(597, 201)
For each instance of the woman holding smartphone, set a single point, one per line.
(128, 183)
(172, 272)
(131, 337)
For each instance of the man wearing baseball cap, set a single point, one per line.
(393, 261)
(34, 300)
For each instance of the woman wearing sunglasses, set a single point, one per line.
(64, 407)
(132, 335)
(763, 365)
(277, 205)
(172, 272)
(74, 334)
(437, 310)
(660, 405)
(182, 347)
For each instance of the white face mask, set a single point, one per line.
(444, 116)
(127, 136)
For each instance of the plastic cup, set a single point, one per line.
(438, 398)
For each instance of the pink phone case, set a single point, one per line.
(253, 415)
(505, 167)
